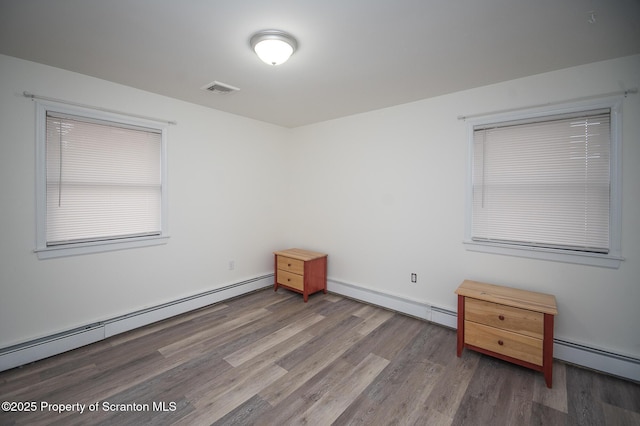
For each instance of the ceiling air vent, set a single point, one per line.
(221, 88)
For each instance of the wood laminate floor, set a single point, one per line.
(269, 359)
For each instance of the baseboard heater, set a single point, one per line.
(585, 356)
(597, 359)
(14, 356)
(444, 317)
(34, 350)
(414, 308)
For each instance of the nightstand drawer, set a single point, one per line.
(508, 318)
(290, 280)
(294, 266)
(504, 342)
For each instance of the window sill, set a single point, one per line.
(98, 247)
(591, 259)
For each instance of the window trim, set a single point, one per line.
(79, 248)
(610, 260)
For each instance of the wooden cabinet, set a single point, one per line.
(302, 271)
(507, 323)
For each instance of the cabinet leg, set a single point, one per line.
(547, 349)
(460, 325)
(275, 273)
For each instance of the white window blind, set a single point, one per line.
(543, 183)
(103, 180)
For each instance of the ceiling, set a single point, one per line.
(353, 55)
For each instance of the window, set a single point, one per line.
(101, 181)
(544, 184)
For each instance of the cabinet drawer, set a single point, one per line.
(294, 266)
(503, 342)
(518, 320)
(290, 280)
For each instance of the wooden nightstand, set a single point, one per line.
(302, 271)
(510, 324)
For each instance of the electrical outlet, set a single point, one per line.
(232, 265)
(414, 278)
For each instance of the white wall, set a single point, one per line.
(222, 207)
(383, 193)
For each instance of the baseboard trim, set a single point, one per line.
(412, 307)
(597, 359)
(585, 356)
(25, 353)
(148, 316)
(17, 355)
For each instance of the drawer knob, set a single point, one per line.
(501, 317)
(288, 264)
(288, 279)
(500, 342)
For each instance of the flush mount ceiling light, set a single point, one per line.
(273, 46)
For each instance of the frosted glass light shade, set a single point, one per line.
(273, 47)
(273, 52)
